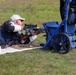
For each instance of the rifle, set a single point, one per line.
(31, 30)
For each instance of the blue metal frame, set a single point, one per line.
(58, 28)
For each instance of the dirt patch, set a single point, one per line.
(22, 46)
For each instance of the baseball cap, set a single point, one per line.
(16, 17)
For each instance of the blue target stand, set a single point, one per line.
(60, 37)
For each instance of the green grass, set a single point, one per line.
(35, 62)
(39, 11)
(38, 62)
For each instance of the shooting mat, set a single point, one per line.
(19, 48)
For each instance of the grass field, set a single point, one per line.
(35, 11)
(35, 62)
